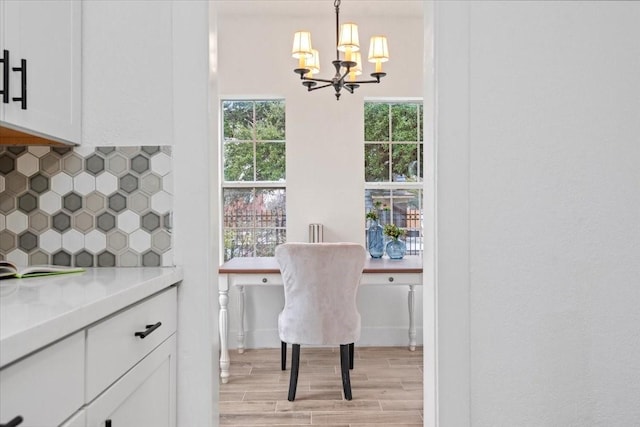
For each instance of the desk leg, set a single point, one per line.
(412, 323)
(224, 348)
(241, 322)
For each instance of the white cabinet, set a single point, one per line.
(42, 39)
(120, 371)
(127, 70)
(145, 396)
(46, 387)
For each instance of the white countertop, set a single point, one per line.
(37, 311)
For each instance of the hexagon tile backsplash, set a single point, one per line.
(86, 206)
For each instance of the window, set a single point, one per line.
(393, 166)
(253, 182)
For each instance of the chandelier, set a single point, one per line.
(346, 69)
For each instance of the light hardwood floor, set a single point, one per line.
(386, 384)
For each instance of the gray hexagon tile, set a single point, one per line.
(72, 202)
(83, 259)
(106, 221)
(140, 164)
(27, 241)
(28, 202)
(139, 202)
(61, 258)
(72, 164)
(106, 259)
(38, 257)
(94, 164)
(106, 150)
(87, 206)
(8, 241)
(7, 203)
(38, 221)
(95, 202)
(128, 183)
(50, 164)
(7, 164)
(39, 183)
(150, 149)
(27, 164)
(16, 182)
(117, 202)
(117, 164)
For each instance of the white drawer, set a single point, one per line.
(255, 279)
(45, 388)
(113, 347)
(391, 279)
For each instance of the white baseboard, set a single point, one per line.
(369, 337)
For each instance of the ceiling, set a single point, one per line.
(314, 7)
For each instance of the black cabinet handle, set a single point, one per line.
(17, 420)
(107, 423)
(390, 279)
(150, 328)
(5, 76)
(23, 83)
(264, 280)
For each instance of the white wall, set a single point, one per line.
(325, 154)
(539, 201)
(147, 81)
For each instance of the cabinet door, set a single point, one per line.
(46, 387)
(132, 103)
(47, 35)
(145, 396)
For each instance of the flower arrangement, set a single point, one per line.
(373, 213)
(394, 231)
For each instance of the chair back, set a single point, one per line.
(320, 288)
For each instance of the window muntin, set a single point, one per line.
(393, 141)
(393, 153)
(254, 160)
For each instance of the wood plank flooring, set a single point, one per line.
(386, 384)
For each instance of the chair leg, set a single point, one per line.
(344, 365)
(295, 365)
(283, 355)
(351, 346)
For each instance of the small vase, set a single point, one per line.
(396, 249)
(375, 240)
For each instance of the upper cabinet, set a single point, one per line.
(127, 72)
(40, 43)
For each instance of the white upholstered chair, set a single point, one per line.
(320, 286)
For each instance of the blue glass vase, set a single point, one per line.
(375, 240)
(396, 249)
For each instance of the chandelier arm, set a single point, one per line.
(313, 79)
(364, 81)
(319, 87)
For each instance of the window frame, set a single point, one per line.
(394, 186)
(254, 185)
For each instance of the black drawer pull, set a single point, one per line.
(23, 83)
(5, 76)
(264, 280)
(107, 423)
(390, 279)
(150, 328)
(14, 422)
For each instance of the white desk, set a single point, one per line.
(243, 272)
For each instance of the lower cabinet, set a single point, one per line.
(45, 388)
(118, 372)
(145, 396)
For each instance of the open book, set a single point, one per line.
(9, 270)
